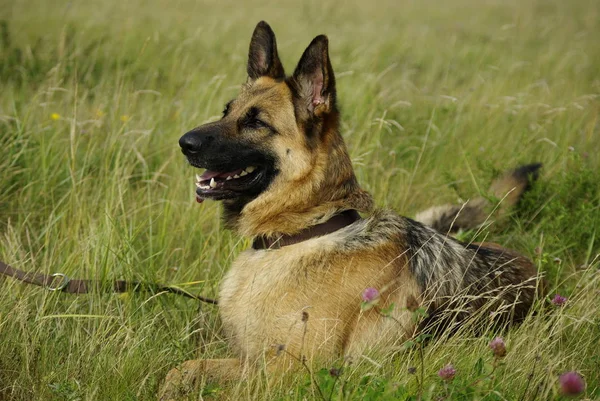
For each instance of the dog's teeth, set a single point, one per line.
(250, 169)
(243, 173)
(236, 176)
(228, 178)
(213, 184)
(198, 177)
(198, 185)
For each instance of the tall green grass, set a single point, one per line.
(436, 97)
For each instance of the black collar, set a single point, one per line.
(335, 223)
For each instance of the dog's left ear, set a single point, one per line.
(313, 78)
(263, 59)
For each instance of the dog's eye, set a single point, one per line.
(251, 119)
(256, 123)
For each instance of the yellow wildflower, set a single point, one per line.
(125, 118)
(55, 116)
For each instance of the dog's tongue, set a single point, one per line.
(207, 175)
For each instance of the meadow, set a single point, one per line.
(436, 98)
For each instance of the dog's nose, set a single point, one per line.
(193, 141)
(189, 144)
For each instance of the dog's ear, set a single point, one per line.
(313, 78)
(262, 56)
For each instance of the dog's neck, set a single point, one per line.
(329, 189)
(332, 225)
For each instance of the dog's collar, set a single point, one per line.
(335, 223)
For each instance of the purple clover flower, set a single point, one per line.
(571, 383)
(498, 347)
(447, 372)
(559, 300)
(370, 294)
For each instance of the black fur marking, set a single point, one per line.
(528, 173)
(226, 109)
(414, 243)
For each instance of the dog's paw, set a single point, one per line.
(180, 381)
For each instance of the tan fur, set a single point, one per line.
(306, 306)
(282, 285)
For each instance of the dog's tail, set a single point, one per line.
(508, 189)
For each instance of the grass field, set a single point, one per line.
(436, 97)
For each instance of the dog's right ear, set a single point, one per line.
(314, 79)
(263, 59)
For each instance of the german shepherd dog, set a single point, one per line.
(278, 163)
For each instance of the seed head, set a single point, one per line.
(370, 294)
(447, 372)
(498, 347)
(571, 383)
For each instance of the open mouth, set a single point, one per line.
(220, 185)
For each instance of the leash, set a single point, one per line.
(61, 282)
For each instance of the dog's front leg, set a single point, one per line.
(190, 374)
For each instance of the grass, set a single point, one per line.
(436, 99)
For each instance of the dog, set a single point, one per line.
(278, 164)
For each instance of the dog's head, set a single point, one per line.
(277, 149)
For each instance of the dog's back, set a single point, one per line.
(306, 296)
